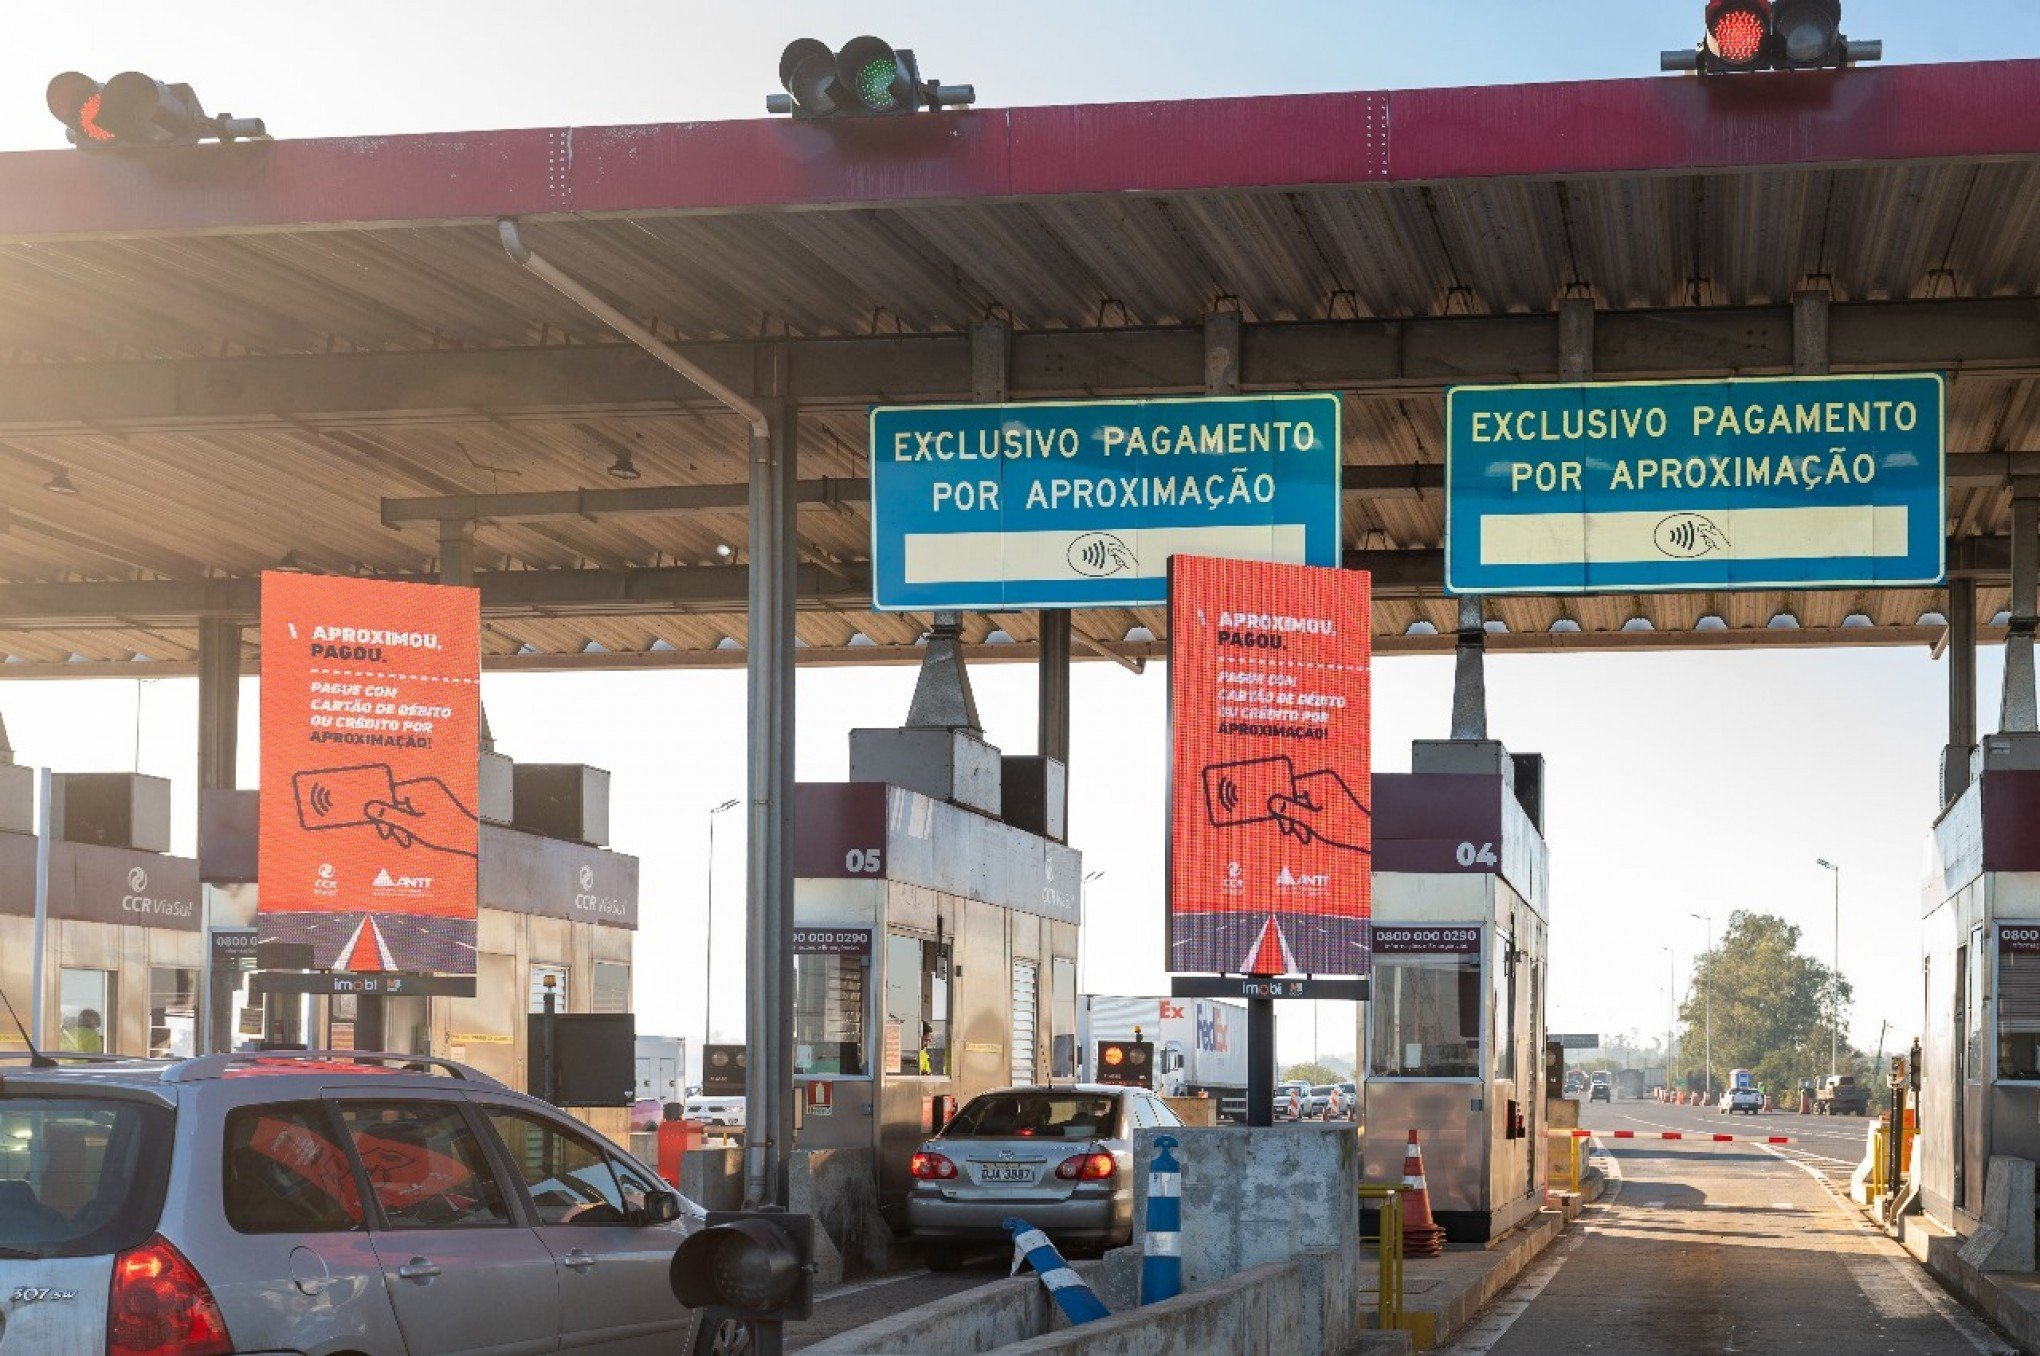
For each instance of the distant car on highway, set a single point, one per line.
(1290, 1096)
(1747, 1100)
(1060, 1157)
(1599, 1089)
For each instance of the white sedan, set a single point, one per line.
(716, 1110)
(1742, 1099)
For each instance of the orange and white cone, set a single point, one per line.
(1421, 1235)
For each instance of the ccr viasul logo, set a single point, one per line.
(1234, 881)
(326, 884)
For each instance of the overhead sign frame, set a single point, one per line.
(1081, 503)
(1271, 811)
(1588, 487)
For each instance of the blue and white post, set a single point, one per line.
(1077, 1300)
(1161, 1266)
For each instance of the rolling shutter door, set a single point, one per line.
(1025, 988)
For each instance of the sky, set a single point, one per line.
(1678, 783)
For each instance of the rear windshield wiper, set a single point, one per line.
(22, 1254)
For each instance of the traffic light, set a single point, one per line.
(1760, 35)
(868, 78)
(1738, 32)
(1807, 33)
(756, 1264)
(1127, 1063)
(134, 109)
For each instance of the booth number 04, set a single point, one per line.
(1471, 854)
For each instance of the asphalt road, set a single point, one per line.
(1701, 1247)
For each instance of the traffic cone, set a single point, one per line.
(1421, 1236)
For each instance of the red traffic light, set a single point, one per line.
(75, 100)
(134, 109)
(1738, 31)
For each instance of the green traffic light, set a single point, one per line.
(874, 84)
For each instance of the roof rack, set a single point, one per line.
(80, 1057)
(216, 1066)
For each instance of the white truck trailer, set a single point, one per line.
(1200, 1043)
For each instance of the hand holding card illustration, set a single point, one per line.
(1322, 809)
(424, 812)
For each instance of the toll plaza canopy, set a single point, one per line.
(216, 360)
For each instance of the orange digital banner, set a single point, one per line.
(1271, 828)
(371, 739)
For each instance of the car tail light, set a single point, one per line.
(928, 1167)
(161, 1306)
(1093, 1167)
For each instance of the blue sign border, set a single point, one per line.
(1626, 578)
(1300, 500)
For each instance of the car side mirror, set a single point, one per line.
(660, 1207)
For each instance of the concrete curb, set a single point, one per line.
(2010, 1299)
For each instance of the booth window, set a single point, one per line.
(2018, 1002)
(1426, 1016)
(538, 974)
(828, 1014)
(85, 1002)
(916, 1006)
(173, 1011)
(612, 987)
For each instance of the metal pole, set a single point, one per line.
(45, 830)
(1707, 1011)
(2017, 708)
(708, 945)
(219, 706)
(1671, 1001)
(548, 1028)
(1835, 986)
(768, 1030)
(1261, 1061)
(1961, 689)
(1834, 1020)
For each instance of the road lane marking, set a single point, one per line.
(1976, 1333)
(838, 1292)
(1501, 1314)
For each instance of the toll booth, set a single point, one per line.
(935, 949)
(554, 903)
(1980, 1053)
(122, 950)
(1453, 1032)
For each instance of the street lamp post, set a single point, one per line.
(1671, 1007)
(1707, 1012)
(708, 944)
(1835, 979)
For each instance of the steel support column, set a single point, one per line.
(1810, 307)
(1469, 677)
(2016, 709)
(219, 721)
(219, 702)
(769, 662)
(1955, 757)
(457, 552)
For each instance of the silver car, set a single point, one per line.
(1058, 1157)
(304, 1203)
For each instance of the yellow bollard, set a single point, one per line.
(1388, 1309)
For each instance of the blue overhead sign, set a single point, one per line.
(1764, 482)
(1081, 503)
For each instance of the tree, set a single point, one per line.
(1770, 1005)
(1312, 1073)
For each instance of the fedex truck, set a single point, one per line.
(1200, 1044)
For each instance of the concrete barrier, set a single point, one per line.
(2004, 1240)
(988, 1318)
(839, 1187)
(713, 1178)
(1251, 1197)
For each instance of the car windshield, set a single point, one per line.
(1036, 1115)
(80, 1176)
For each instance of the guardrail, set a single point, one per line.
(1388, 1309)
